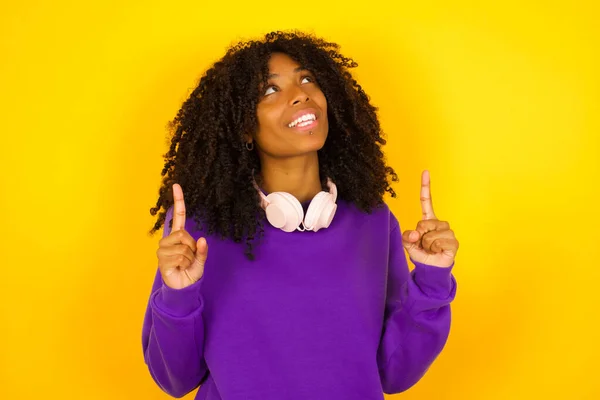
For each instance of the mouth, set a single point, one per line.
(304, 122)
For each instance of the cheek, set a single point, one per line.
(320, 99)
(267, 119)
(269, 128)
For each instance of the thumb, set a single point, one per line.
(410, 239)
(201, 250)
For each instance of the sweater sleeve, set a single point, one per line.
(173, 334)
(417, 317)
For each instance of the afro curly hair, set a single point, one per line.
(208, 157)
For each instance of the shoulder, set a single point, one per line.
(380, 215)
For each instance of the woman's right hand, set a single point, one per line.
(180, 258)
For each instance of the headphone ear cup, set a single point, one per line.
(320, 212)
(327, 215)
(284, 211)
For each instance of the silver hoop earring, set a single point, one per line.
(249, 146)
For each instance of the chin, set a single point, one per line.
(315, 144)
(305, 149)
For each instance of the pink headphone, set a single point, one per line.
(285, 212)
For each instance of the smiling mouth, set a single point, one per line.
(303, 121)
(305, 126)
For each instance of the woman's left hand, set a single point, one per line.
(432, 242)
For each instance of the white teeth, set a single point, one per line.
(304, 118)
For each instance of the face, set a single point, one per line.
(287, 110)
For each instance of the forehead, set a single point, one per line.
(282, 63)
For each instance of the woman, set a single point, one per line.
(306, 293)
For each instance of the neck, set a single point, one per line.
(298, 176)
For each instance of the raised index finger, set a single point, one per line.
(178, 208)
(426, 204)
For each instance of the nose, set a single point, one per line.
(299, 96)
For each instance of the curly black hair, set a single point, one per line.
(208, 157)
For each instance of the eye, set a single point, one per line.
(274, 88)
(266, 93)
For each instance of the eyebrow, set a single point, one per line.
(295, 70)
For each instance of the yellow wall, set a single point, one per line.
(500, 102)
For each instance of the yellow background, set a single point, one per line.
(499, 102)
